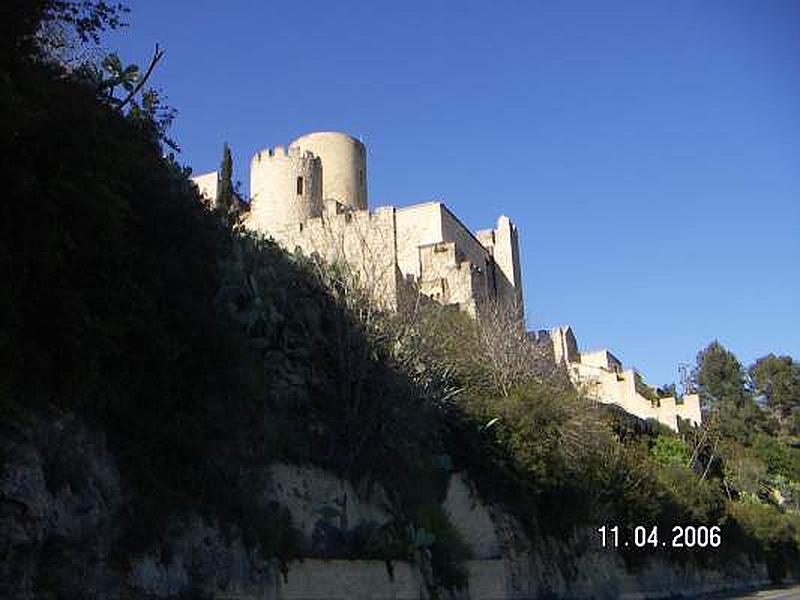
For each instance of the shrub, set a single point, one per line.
(776, 532)
(670, 451)
(743, 471)
(448, 549)
(779, 457)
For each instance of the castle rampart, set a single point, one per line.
(432, 223)
(603, 377)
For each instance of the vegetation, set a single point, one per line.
(202, 353)
(644, 389)
(533, 443)
(671, 451)
(776, 379)
(227, 202)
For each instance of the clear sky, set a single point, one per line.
(649, 151)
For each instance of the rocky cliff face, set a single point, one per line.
(60, 502)
(64, 515)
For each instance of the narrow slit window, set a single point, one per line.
(299, 186)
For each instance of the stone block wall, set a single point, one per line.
(417, 225)
(286, 189)
(602, 377)
(344, 161)
(364, 240)
(448, 279)
(313, 196)
(503, 244)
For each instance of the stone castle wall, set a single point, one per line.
(362, 239)
(601, 375)
(449, 279)
(313, 197)
(449, 263)
(344, 166)
(417, 225)
(503, 243)
(286, 188)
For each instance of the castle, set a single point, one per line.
(312, 196)
(603, 378)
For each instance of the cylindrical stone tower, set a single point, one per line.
(344, 166)
(286, 189)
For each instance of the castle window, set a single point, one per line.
(299, 186)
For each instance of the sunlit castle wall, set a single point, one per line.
(344, 166)
(286, 189)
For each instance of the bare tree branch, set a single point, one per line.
(157, 55)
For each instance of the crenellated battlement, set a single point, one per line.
(294, 183)
(603, 377)
(279, 153)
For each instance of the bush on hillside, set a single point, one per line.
(776, 532)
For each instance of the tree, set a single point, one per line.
(225, 200)
(722, 384)
(510, 355)
(643, 389)
(55, 33)
(36, 29)
(777, 380)
(719, 376)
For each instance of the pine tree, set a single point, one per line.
(725, 394)
(777, 379)
(719, 376)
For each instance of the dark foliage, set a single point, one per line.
(203, 354)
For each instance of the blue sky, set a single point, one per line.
(649, 151)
